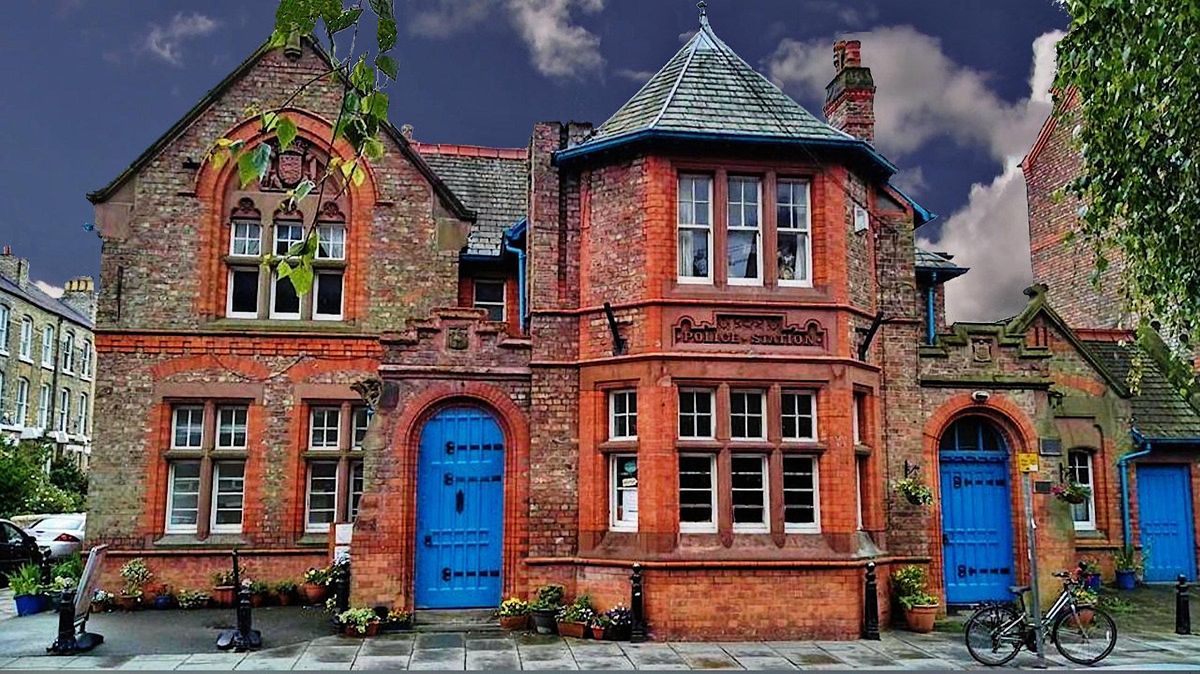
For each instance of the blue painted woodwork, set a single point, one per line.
(977, 536)
(1165, 516)
(460, 510)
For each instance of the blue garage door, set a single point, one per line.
(1165, 517)
(460, 510)
(977, 535)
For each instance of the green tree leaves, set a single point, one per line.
(1133, 66)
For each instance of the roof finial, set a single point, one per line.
(703, 7)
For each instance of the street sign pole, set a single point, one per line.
(1028, 465)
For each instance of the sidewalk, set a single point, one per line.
(897, 650)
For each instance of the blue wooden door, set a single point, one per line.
(460, 510)
(1165, 517)
(977, 535)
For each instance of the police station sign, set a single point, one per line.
(739, 329)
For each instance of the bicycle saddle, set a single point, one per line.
(1018, 589)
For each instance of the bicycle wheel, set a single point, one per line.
(1085, 637)
(987, 641)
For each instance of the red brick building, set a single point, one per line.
(697, 336)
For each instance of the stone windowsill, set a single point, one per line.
(191, 541)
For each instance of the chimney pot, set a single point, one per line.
(853, 54)
(850, 96)
(7, 250)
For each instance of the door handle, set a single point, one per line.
(458, 501)
(428, 541)
(446, 574)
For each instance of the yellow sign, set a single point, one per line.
(1027, 462)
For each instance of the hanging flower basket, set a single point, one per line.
(1071, 492)
(914, 490)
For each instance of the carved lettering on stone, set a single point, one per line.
(737, 329)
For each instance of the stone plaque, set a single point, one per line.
(738, 329)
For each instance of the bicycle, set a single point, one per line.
(1082, 633)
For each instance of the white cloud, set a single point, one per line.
(638, 76)
(48, 288)
(444, 18)
(166, 42)
(558, 47)
(853, 15)
(911, 180)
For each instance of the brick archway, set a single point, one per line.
(384, 536)
(1020, 436)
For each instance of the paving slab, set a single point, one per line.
(39, 662)
(493, 659)
(719, 659)
(387, 647)
(153, 662)
(212, 661)
(764, 662)
(440, 640)
(749, 648)
(437, 658)
(95, 661)
(378, 662)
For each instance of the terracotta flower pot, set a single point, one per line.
(128, 602)
(575, 630)
(257, 599)
(597, 632)
(285, 598)
(920, 618)
(514, 622)
(372, 630)
(314, 594)
(224, 595)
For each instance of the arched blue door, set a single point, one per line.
(460, 510)
(977, 535)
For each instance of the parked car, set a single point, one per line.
(60, 535)
(26, 522)
(17, 548)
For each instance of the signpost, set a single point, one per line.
(1027, 463)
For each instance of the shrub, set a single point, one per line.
(68, 567)
(193, 599)
(26, 580)
(911, 587)
(550, 597)
(136, 574)
(578, 611)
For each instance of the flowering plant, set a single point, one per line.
(914, 490)
(136, 574)
(1071, 492)
(317, 576)
(513, 606)
(578, 611)
(620, 615)
(358, 618)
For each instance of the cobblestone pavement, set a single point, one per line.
(478, 651)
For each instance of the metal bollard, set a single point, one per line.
(871, 605)
(1183, 610)
(637, 633)
(65, 644)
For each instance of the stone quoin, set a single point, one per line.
(698, 337)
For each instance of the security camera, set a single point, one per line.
(981, 396)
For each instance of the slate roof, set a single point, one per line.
(940, 263)
(35, 296)
(493, 184)
(706, 87)
(1159, 409)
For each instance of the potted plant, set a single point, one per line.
(397, 620)
(620, 622)
(163, 599)
(599, 625)
(1089, 572)
(514, 614)
(359, 622)
(914, 490)
(102, 601)
(190, 599)
(258, 592)
(572, 620)
(920, 607)
(26, 585)
(544, 609)
(223, 591)
(285, 590)
(1127, 567)
(136, 575)
(1071, 492)
(315, 587)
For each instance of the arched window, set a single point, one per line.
(973, 434)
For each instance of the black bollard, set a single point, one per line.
(341, 585)
(65, 643)
(1183, 610)
(871, 605)
(242, 637)
(637, 632)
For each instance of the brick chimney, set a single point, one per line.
(80, 294)
(13, 268)
(850, 96)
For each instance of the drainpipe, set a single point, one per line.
(930, 327)
(1123, 473)
(520, 253)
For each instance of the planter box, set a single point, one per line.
(372, 630)
(576, 630)
(28, 604)
(514, 622)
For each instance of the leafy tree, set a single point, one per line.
(363, 114)
(26, 487)
(1135, 67)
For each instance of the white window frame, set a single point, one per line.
(1090, 523)
(82, 416)
(730, 229)
(22, 408)
(64, 410)
(856, 420)
(614, 489)
(355, 426)
(860, 466)
(764, 526)
(214, 508)
(229, 312)
(324, 410)
(815, 526)
(762, 415)
(25, 351)
(282, 315)
(357, 482)
(680, 226)
(702, 527)
(45, 397)
(168, 527)
(812, 412)
(5, 317)
(805, 231)
(2, 405)
(276, 239)
(629, 395)
(317, 288)
(712, 413)
(48, 347)
(337, 244)
(175, 410)
(68, 352)
(239, 245)
(503, 303)
(234, 425)
(319, 527)
(85, 360)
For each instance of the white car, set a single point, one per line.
(59, 535)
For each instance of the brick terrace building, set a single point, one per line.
(698, 337)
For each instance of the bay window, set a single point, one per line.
(793, 229)
(43, 415)
(748, 473)
(695, 229)
(22, 416)
(743, 236)
(696, 413)
(622, 415)
(798, 415)
(64, 410)
(746, 415)
(801, 507)
(697, 493)
(623, 492)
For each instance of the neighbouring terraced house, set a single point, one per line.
(697, 336)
